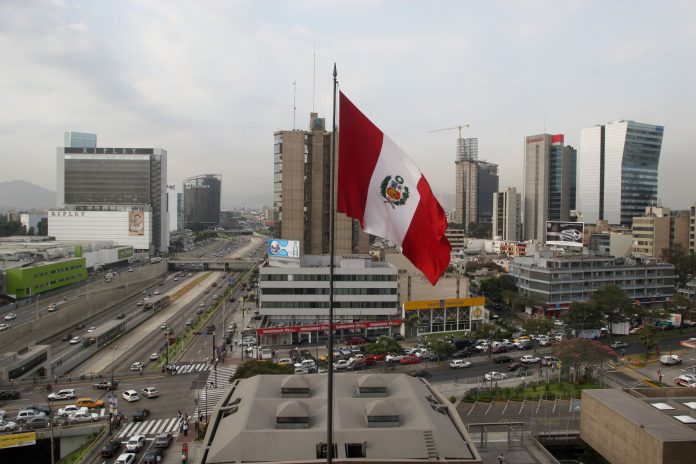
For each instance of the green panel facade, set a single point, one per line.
(33, 280)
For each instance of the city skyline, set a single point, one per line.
(211, 85)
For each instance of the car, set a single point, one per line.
(398, 337)
(125, 458)
(154, 357)
(410, 359)
(357, 364)
(284, 361)
(392, 357)
(189, 322)
(502, 359)
(341, 364)
(135, 443)
(65, 394)
(529, 359)
(372, 359)
(137, 366)
(66, 337)
(346, 351)
(139, 303)
(79, 326)
(163, 440)
(499, 349)
(164, 326)
(110, 448)
(130, 395)
(422, 373)
(102, 385)
(465, 352)
(39, 408)
(4, 327)
(153, 456)
(150, 392)
(201, 305)
(156, 292)
(91, 329)
(75, 340)
(512, 367)
(83, 416)
(546, 342)
(89, 403)
(140, 414)
(52, 307)
(549, 360)
(618, 344)
(70, 409)
(495, 376)
(9, 395)
(459, 364)
(670, 359)
(7, 426)
(686, 380)
(10, 316)
(121, 316)
(36, 422)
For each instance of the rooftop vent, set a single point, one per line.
(381, 413)
(292, 415)
(295, 386)
(371, 386)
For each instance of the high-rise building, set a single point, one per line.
(617, 170)
(80, 140)
(549, 183)
(117, 194)
(476, 182)
(507, 220)
(301, 192)
(202, 200)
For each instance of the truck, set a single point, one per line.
(620, 328)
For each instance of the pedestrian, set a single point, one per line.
(69, 379)
(55, 379)
(141, 371)
(178, 416)
(659, 375)
(501, 458)
(185, 427)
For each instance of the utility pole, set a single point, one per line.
(50, 418)
(214, 360)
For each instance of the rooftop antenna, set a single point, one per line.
(314, 74)
(294, 98)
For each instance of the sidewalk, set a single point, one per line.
(195, 449)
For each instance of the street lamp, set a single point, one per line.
(50, 424)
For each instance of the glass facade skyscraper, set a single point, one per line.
(80, 140)
(202, 200)
(618, 170)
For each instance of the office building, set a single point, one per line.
(617, 170)
(558, 281)
(301, 181)
(476, 181)
(294, 295)
(112, 194)
(507, 215)
(381, 418)
(79, 140)
(692, 229)
(549, 183)
(202, 201)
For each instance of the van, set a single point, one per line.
(25, 414)
(670, 359)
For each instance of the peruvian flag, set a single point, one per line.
(379, 185)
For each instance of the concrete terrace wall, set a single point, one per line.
(77, 309)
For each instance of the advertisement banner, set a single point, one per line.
(14, 440)
(136, 223)
(324, 327)
(284, 248)
(564, 233)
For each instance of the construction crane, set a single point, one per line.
(459, 128)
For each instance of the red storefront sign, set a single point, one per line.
(324, 327)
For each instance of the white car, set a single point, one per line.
(130, 395)
(70, 409)
(52, 307)
(495, 376)
(4, 327)
(154, 357)
(394, 357)
(7, 426)
(75, 340)
(83, 416)
(10, 316)
(66, 394)
(156, 292)
(529, 359)
(136, 366)
(341, 364)
(91, 329)
(686, 380)
(135, 443)
(459, 363)
(125, 458)
(150, 392)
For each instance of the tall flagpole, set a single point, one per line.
(332, 220)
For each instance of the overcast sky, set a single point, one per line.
(210, 81)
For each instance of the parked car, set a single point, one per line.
(135, 443)
(373, 358)
(499, 349)
(502, 359)
(686, 380)
(83, 416)
(459, 364)
(125, 458)
(548, 360)
(357, 364)
(529, 359)
(163, 440)
(150, 392)
(422, 373)
(65, 394)
(495, 376)
(153, 456)
(9, 395)
(618, 344)
(341, 364)
(410, 359)
(70, 409)
(39, 408)
(140, 414)
(391, 357)
(110, 449)
(7, 426)
(130, 395)
(465, 352)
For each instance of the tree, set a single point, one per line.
(537, 326)
(254, 367)
(648, 337)
(442, 348)
(411, 321)
(612, 302)
(479, 230)
(9, 228)
(582, 316)
(684, 262)
(494, 287)
(42, 227)
(574, 352)
(385, 345)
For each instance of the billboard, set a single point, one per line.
(564, 233)
(284, 248)
(17, 439)
(136, 223)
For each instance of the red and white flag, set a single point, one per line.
(379, 185)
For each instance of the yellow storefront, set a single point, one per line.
(448, 315)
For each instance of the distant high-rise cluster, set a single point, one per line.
(476, 182)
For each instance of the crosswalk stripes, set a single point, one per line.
(149, 427)
(209, 397)
(192, 368)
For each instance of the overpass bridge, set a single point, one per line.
(226, 264)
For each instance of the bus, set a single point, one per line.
(158, 303)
